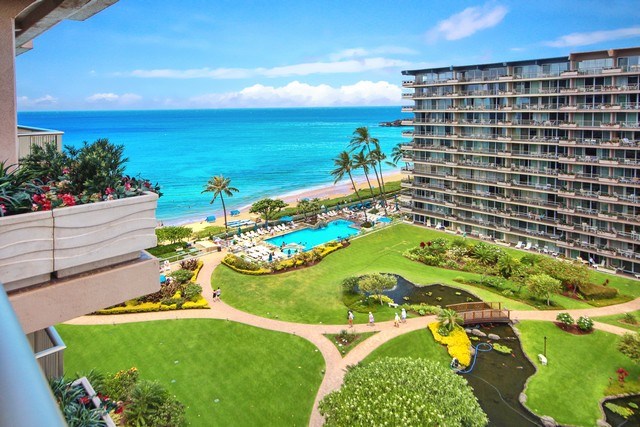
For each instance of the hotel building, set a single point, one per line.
(540, 154)
(60, 264)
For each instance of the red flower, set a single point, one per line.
(109, 190)
(127, 186)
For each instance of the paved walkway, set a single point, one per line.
(335, 364)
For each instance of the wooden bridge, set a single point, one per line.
(481, 312)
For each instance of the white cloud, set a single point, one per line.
(304, 69)
(112, 98)
(297, 94)
(26, 102)
(359, 52)
(467, 22)
(583, 39)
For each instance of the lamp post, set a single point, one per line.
(545, 347)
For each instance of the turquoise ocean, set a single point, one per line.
(265, 152)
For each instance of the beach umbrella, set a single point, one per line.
(163, 278)
(211, 218)
(239, 231)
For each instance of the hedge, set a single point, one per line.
(591, 291)
(457, 342)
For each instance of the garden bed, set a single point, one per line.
(346, 341)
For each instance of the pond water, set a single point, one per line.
(497, 379)
(406, 292)
(616, 420)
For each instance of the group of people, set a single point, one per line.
(402, 318)
(216, 294)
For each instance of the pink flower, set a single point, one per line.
(109, 190)
(127, 186)
(66, 171)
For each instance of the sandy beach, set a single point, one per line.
(322, 193)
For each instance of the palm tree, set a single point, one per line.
(448, 319)
(396, 154)
(220, 186)
(377, 157)
(363, 140)
(362, 161)
(344, 165)
(304, 206)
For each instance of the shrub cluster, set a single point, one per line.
(457, 342)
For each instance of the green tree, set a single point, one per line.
(220, 186)
(361, 161)
(173, 234)
(629, 345)
(402, 392)
(304, 207)
(344, 165)
(543, 285)
(508, 266)
(377, 157)
(95, 167)
(267, 208)
(376, 283)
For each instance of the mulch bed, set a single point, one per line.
(573, 329)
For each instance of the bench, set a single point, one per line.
(542, 359)
(393, 305)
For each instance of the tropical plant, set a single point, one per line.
(220, 186)
(629, 345)
(391, 391)
(486, 254)
(344, 165)
(376, 283)
(565, 318)
(173, 234)
(362, 161)
(96, 167)
(448, 319)
(304, 207)
(507, 266)
(363, 140)
(147, 397)
(630, 319)
(16, 189)
(377, 157)
(543, 285)
(267, 208)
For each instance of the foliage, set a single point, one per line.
(220, 186)
(152, 405)
(16, 189)
(508, 266)
(75, 404)
(486, 254)
(620, 410)
(208, 232)
(120, 384)
(630, 319)
(448, 319)
(173, 234)
(421, 309)
(503, 349)
(376, 283)
(382, 298)
(181, 276)
(192, 292)
(584, 323)
(267, 208)
(629, 345)
(596, 292)
(402, 391)
(565, 318)
(571, 275)
(166, 251)
(189, 264)
(542, 286)
(350, 285)
(457, 342)
(240, 263)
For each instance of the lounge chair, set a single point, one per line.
(519, 245)
(528, 246)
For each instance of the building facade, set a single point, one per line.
(539, 154)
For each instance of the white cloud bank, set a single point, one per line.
(304, 69)
(583, 39)
(297, 94)
(467, 22)
(112, 98)
(43, 101)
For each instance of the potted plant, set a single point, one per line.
(51, 220)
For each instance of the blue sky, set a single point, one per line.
(142, 54)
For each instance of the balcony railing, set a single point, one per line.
(30, 136)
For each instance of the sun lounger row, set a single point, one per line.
(240, 223)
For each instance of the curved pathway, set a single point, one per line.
(335, 364)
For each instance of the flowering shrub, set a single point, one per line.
(402, 392)
(585, 323)
(565, 318)
(457, 342)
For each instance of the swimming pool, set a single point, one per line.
(384, 219)
(309, 238)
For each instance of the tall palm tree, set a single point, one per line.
(344, 165)
(362, 161)
(303, 207)
(396, 154)
(363, 140)
(220, 186)
(377, 157)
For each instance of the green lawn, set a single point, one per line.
(578, 372)
(615, 321)
(313, 295)
(414, 344)
(259, 377)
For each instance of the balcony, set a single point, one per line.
(30, 136)
(64, 263)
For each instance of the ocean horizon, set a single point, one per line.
(266, 152)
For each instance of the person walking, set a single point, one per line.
(217, 294)
(350, 318)
(371, 319)
(403, 315)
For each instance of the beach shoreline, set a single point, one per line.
(324, 192)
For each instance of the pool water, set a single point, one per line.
(384, 219)
(310, 238)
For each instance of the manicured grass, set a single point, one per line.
(345, 348)
(259, 377)
(615, 320)
(414, 344)
(578, 372)
(313, 295)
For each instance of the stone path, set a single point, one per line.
(335, 364)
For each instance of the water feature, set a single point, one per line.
(384, 219)
(409, 293)
(310, 238)
(616, 420)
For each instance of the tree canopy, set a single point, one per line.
(268, 208)
(629, 345)
(173, 234)
(376, 283)
(402, 391)
(543, 285)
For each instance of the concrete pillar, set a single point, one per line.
(8, 121)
